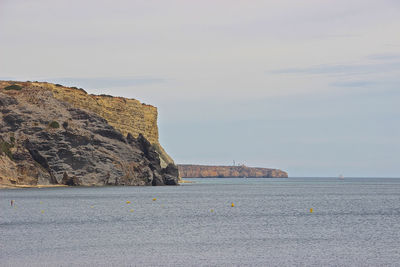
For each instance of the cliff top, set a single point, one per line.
(47, 85)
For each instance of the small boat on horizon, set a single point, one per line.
(341, 177)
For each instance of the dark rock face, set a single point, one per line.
(170, 172)
(13, 121)
(39, 159)
(7, 101)
(171, 169)
(71, 181)
(86, 150)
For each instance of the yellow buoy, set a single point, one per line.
(42, 211)
(233, 205)
(154, 199)
(128, 202)
(212, 210)
(41, 202)
(91, 207)
(131, 210)
(311, 210)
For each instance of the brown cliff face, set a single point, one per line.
(204, 171)
(45, 139)
(125, 115)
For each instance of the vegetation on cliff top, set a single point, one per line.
(13, 87)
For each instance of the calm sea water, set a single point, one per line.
(355, 222)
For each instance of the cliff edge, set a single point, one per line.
(51, 134)
(205, 171)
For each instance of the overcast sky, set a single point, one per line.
(311, 87)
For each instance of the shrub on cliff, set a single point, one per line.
(13, 87)
(79, 89)
(5, 149)
(54, 125)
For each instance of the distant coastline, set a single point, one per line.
(241, 171)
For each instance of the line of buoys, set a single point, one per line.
(131, 210)
(154, 199)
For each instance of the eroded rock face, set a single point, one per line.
(49, 141)
(128, 116)
(204, 171)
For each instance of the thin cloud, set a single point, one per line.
(387, 86)
(342, 69)
(384, 57)
(354, 84)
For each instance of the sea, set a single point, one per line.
(210, 222)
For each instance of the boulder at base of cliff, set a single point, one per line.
(171, 174)
(71, 181)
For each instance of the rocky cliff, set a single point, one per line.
(50, 134)
(204, 171)
(125, 115)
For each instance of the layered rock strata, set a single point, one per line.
(204, 171)
(47, 139)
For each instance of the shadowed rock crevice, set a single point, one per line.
(36, 156)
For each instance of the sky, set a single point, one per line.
(310, 87)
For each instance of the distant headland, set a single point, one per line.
(207, 171)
